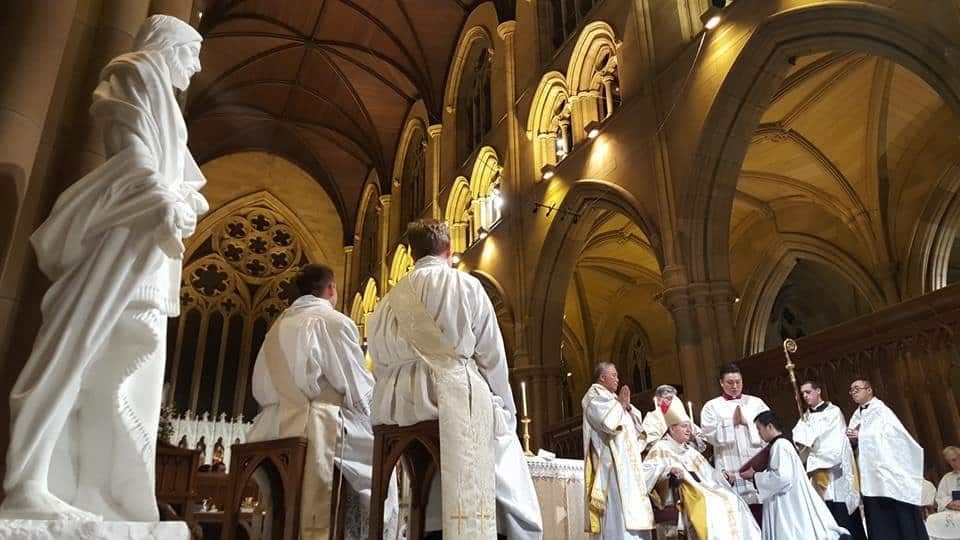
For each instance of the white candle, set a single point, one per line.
(690, 407)
(523, 392)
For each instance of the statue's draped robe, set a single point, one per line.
(891, 473)
(434, 337)
(617, 480)
(792, 509)
(733, 445)
(310, 371)
(711, 510)
(945, 523)
(112, 246)
(829, 460)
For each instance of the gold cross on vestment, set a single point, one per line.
(460, 517)
(482, 515)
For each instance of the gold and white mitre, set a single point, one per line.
(675, 413)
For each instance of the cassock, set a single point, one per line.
(891, 473)
(711, 510)
(945, 524)
(616, 478)
(733, 445)
(310, 381)
(830, 464)
(792, 509)
(434, 340)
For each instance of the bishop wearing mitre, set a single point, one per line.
(654, 421)
(727, 423)
(820, 435)
(616, 479)
(710, 509)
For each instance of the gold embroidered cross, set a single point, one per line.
(481, 515)
(460, 517)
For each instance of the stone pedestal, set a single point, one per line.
(25, 529)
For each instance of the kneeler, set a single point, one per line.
(419, 448)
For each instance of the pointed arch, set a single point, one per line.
(401, 264)
(459, 216)
(550, 100)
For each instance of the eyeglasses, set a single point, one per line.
(855, 389)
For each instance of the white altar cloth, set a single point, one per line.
(559, 486)
(28, 529)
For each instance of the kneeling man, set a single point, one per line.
(710, 508)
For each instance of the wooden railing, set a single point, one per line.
(909, 351)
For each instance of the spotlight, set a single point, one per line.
(736, 300)
(497, 199)
(483, 233)
(569, 374)
(535, 207)
(712, 22)
(711, 18)
(548, 171)
(455, 258)
(592, 129)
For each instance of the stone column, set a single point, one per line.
(433, 149)
(346, 293)
(383, 211)
(679, 304)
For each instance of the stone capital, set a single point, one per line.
(434, 130)
(348, 250)
(506, 29)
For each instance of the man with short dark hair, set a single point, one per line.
(438, 354)
(829, 458)
(792, 510)
(726, 425)
(310, 376)
(891, 468)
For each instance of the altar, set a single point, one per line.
(559, 486)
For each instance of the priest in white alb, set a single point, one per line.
(727, 423)
(820, 435)
(710, 509)
(891, 468)
(438, 354)
(617, 481)
(945, 523)
(792, 509)
(311, 381)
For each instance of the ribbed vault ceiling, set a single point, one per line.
(326, 84)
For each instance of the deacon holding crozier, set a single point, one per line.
(84, 409)
(727, 425)
(438, 354)
(792, 509)
(821, 436)
(310, 380)
(710, 509)
(617, 481)
(891, 468)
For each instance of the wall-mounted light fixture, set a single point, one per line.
(456, 258)
(548, 171)
(592, 129)
(482, 233)
(562, 212)
(497, 198)
(711, 17)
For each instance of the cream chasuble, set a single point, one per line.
(891, 462)
(617, 481)
(792, 509)
(733, 445)
(829, 460)
(711, 510)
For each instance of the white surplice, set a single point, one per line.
(830, 458)
(309, 373)
(617, 480)
(945, 523)
(733, 445)
(406, 392)
(792, 509)
(890, 461)
(711, 510)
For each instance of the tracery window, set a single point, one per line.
(564, 17)
(474, 117)
(412, 183)
(370, 242)
(635, 353)
(234, 285)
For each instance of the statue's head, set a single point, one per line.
(177, 41)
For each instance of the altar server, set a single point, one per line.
(820, 434)
(727, 425)
(792, 509)
(310, 379)
(710, 509)
(891, 468)
(616, 479)
(438, 354)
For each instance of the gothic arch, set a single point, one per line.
(475, 36)
(593, 73)
(933, 237)
(414, 133)
(748, 86)
(551, 96)
(459, 217)
(401, 264)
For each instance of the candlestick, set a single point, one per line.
(526, 435)
(523, 392)
(690, 408)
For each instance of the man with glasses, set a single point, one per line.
(891, 468)
(727, 423)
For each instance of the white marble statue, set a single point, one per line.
(84, 410)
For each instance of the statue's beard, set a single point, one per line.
(179, 77)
